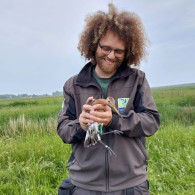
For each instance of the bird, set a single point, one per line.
(95, 129)
(108, 101)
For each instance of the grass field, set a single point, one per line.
(33, 157)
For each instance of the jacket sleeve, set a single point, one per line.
(69, 128)
(144, 119)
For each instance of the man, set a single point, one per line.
(112, 42)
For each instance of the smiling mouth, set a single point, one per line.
(109, 62)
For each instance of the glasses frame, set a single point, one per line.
(117, 55)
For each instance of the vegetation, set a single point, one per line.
(12, 96)
(33, 157)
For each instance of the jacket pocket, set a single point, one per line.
(87, 157)
(142, 148)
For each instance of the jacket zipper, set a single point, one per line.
(107, 170)
(106, 153)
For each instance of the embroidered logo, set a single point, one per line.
(122, 103)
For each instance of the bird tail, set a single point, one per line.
(87, 141)
(91, 137)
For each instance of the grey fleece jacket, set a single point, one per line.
(93, 168)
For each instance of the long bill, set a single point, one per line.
(114, 108)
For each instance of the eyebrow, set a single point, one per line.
(111, 47)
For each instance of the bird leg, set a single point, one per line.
(106, 146)
(93, 136)
(116, 132)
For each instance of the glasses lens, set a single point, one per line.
(119, 53)
(107, 50)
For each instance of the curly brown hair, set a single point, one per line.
(127, 25)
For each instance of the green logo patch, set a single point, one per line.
(122, 103)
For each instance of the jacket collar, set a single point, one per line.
(85, 77)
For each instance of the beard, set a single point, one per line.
(106, 65)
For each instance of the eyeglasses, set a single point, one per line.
(107, 50)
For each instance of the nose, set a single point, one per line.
(111, 55)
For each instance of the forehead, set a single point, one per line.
(113, 40)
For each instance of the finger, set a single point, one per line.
(101, 107)
(97, 114)
(87, 108)
(85, 116)
(105, 121)
(104, 114)
(101, 118)
(85, 122)
(89, 99)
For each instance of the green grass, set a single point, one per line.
(171, 167)
(33, 157)
(32, 164)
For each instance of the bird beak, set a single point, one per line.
(114, 108)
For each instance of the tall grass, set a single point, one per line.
(171, 149)
(33, 157)
(32, 164)
(171, 164)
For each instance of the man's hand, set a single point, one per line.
(85, 117)
(101, 113)
(96, 113)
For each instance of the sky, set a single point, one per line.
(38, 41)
